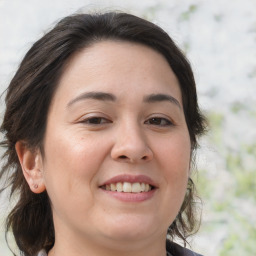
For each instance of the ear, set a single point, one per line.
(32, 167)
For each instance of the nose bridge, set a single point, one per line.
(131, 134)
(131, 142)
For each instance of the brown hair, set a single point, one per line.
(29, 96)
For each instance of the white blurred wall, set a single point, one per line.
(218, 36)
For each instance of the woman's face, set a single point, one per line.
(116, 122)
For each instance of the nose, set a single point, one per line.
(131, 146)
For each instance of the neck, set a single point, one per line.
(66, 246)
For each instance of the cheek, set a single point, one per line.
(174, 159)
(175, 152)
(69, 169)
(71, 162)
(71, 150)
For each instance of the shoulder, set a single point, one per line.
(177, 250)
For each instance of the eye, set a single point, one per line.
(95, 120)
(159, 121)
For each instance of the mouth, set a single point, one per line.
(128, 187)
(129, 184)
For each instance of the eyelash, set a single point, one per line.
(95, 120)
(156, 121)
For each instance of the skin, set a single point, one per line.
(89, 141)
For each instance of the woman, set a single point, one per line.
(100, 127)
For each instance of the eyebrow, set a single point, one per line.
(103, 96)
(152, 98)
(93, 95)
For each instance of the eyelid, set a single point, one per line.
(169, 120)
(86, 118)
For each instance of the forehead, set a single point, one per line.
(117, 66)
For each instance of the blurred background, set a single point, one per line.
(219, 39)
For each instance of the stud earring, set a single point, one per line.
(35, 186)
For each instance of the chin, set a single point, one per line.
(132, 228)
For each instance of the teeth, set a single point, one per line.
(128, 187)
(113, 187)
(136, 188)
(119, 187)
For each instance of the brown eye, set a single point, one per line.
(96, 120)
(159, 121)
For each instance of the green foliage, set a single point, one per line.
(203, 184)
(245, 185)
(236, 107)
(243, 172)
(232, 209)
(240, 240)
(187, 14)
(150, 13)
(218, 17)
(216, 121)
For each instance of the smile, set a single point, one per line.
(128, 187)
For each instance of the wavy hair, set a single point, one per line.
(29, 96)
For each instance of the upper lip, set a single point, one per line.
(130, 178)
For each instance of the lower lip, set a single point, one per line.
(131, 197)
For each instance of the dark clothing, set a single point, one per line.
(171, 248)
(177, 250)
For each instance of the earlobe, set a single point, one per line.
(31, 164)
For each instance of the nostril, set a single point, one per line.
(125, 157)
